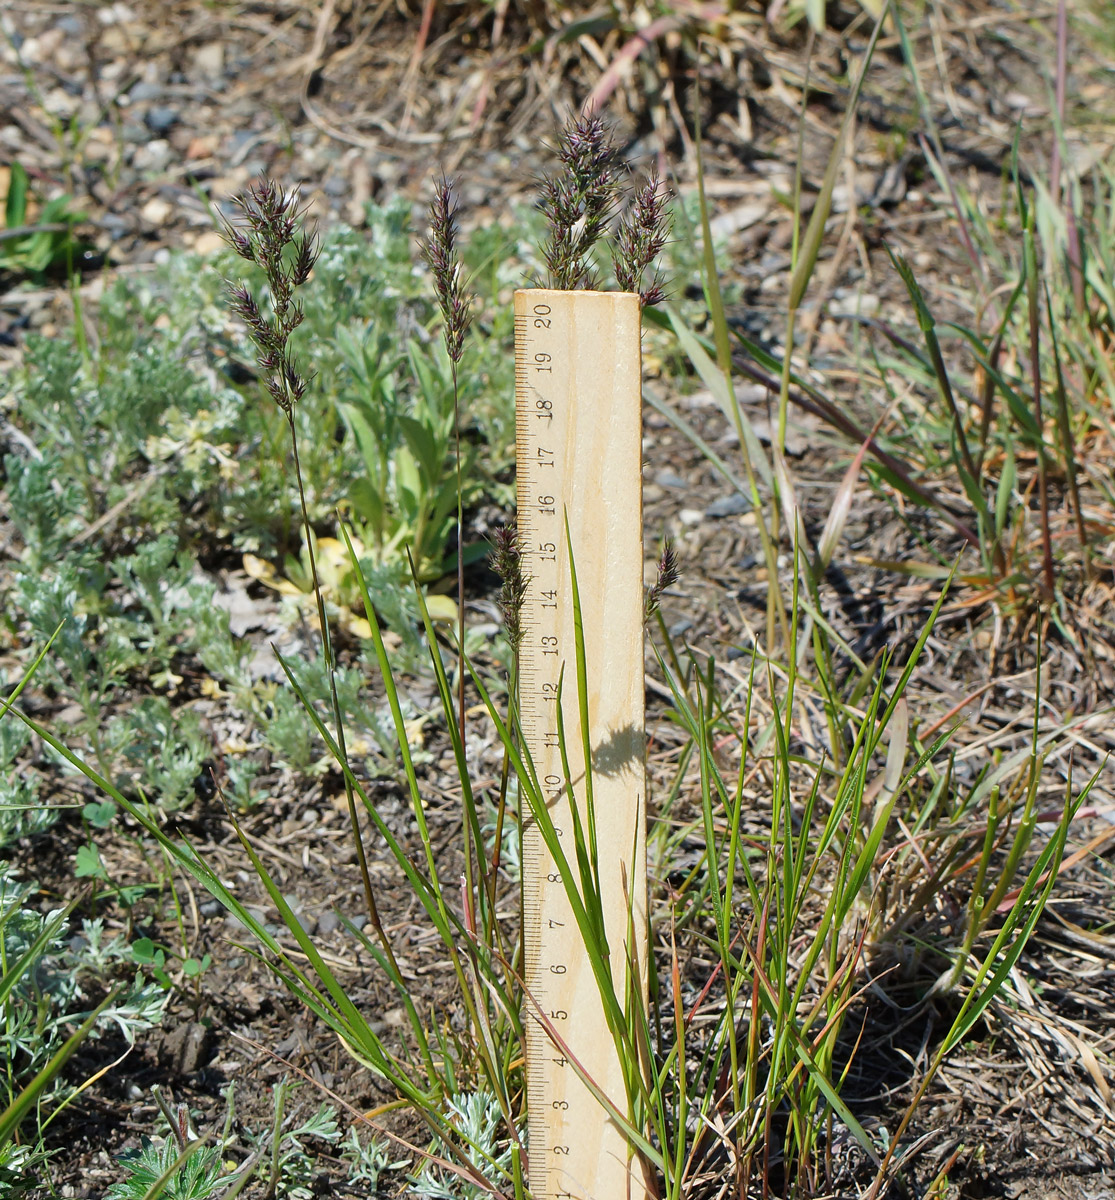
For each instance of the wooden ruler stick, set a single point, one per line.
(579, 459)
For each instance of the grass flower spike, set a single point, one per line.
(440, 252)
(578, 202)
(507, 562)
(668, 572)
(269, 236)
(643, 231)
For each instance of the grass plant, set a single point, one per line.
(866, 860)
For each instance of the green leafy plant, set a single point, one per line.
(183, 1166)
(407, 494)
(44, 975)
(164, 748)
(736, 1064)
(35, 246)
(171, 1170)
(21, 813)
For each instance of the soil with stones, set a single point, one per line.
(151, 113)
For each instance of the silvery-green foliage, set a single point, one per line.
(21, 814)
(48, 600)
(239, 789)
(477, 1117)
(224, 656)
(165, 748)
(295, 1175)
(39, 1012)
(510, 858)
(367, 1161)
(292, 738)
(21, 1168)
(97, 953)
(157, 573)
(44, 505)
(288, 734)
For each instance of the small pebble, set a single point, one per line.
(161, 118)
(852, 304)
(144, 92)
(729, 506)
(153, 156)
(210, 59)
(156, 211)
(328, 922)
(211, 908)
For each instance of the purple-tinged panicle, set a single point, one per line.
(643, 231)
(668, 573)
(267, 233)
(440, 251)
(578, 202)
(239, 241)
(307, 249)
(507, 562)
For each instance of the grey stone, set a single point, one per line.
(729, 506)
(328, 922)
(211, 908)
(143, 92)
(161, 118)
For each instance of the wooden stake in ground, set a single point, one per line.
(579, 456)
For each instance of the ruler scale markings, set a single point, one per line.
(578, 445)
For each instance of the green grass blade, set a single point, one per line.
(815, 230)
(12, 1117)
